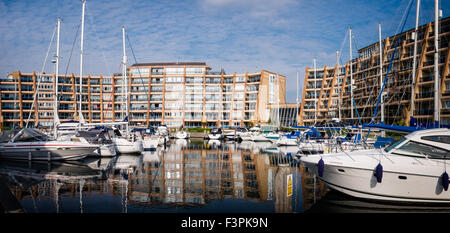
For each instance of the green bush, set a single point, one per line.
(201, 130)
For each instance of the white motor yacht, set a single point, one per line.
(31, 144)
(100, 137)
(287, 141)
(248, 136)
(412, 169)
(236, 133)
(125, 146)
(215, 134)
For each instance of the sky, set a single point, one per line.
(282, 36)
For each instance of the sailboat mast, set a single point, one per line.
(296, 107)
(55, 107)
(381, 71)
(413, 83)
(124, 71)
(351, 76)
(81, 64)
(315, 93)
(380, 46)
(338, 84)
(436, 63)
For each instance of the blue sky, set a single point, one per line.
(282, 36)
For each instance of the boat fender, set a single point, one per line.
(321, 167)
(445, 181)
(379, 172)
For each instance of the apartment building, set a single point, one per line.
(179, 94)
(327, 93)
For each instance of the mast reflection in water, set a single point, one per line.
(186, 177)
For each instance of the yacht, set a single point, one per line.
(30, 144)
(125, 146)
(288, 140)
(412, 169)
(163, 135)
(236, 133)
(100, 137)
(215, 134)
(248, 136)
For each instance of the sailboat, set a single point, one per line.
(122, 143)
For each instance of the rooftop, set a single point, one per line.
(171, 64)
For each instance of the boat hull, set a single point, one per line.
(45, 151)
(106, 151)
(214, 136)
(124, 146)
(399, 184)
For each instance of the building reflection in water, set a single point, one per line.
(188, 175)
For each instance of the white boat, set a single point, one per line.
(248, 136)
(412, 169)
(287, 141)
(31, 144)
(260, 138)
(215, 134)
(100, 137)
(272, 136)
(123, 146)
(182, 135)
(236, 133)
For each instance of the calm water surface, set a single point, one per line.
(185, 177)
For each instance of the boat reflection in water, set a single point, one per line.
(40, 186)
(197, 177)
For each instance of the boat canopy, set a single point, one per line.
(216, 131)
(22, 135)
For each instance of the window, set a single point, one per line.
(419, 149)
(271, 89)
(195, 70)
(240, 79)
(174, 79)
(140, 71)
(394, 144)
(174, 87)
(175, 70)
(239, 87)
(440, 138)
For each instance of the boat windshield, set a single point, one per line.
(215, 131)
(394, 144)
(421, 149)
